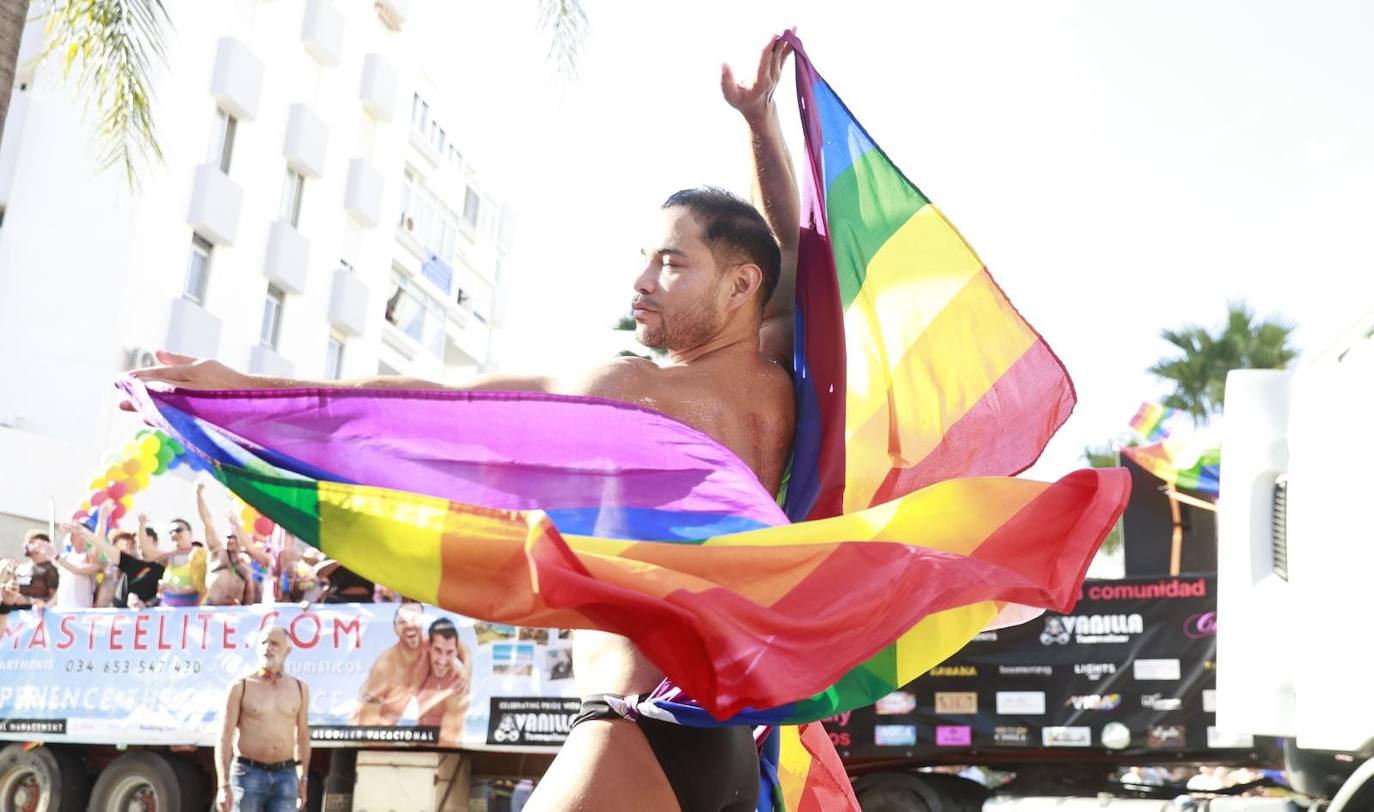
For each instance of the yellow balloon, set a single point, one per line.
(97, 484)
(142, 479)
(149, 445)
(127, 501)
(114, 473)
(149, 463)
(130, 450)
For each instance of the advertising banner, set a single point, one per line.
(1132, 668)
(389, 674)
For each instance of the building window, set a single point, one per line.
(222, 140)
(272, 308)
(472, 207)
(291, 197)
(198, 269)
(455, 158)
(407, 182)
(419, 113)
(438, 140)
(333, 357)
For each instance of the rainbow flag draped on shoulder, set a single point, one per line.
(920, 391)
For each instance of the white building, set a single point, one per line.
(315, 217)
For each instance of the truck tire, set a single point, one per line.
(1358, 791)
(145, 782)
(195, 788)
(44, 779)
(896, 792)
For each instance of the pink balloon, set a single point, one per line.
(117, 490)
(118, 512)
(80, 516)
(263, 526)
(98, 498)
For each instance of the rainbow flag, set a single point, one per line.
(1153, 422)
(912, 365)
(1192, 465)
(534, 510)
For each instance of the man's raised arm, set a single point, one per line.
(187, 372)
(775, 183)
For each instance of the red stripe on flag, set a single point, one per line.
(1030, 401)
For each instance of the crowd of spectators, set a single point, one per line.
(110, 567)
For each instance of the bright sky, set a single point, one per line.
(1120, 167)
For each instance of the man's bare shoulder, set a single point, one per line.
(628, 378)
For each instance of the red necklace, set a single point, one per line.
(268, 676)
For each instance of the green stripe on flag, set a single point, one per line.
(865, 206)
(292, 503)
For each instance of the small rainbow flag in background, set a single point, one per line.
(1153, 422)
(1193, 466)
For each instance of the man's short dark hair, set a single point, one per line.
(123, 535)
(35, 535)
(152, 534)
(733, 230)
(443, 627)
(184, 524)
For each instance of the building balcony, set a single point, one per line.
(267, 361)
(468, 339)
(237, 80)
(215, 204)
(288, 257)
(363, 194)
(322, 31)
(192, 330)
(378, 91)
(348, 303)
(307, 141)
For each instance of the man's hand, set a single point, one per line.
(187, 372)
(302, 790)
(225, 801)
(755, 100)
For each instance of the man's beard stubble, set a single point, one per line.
(691, 328)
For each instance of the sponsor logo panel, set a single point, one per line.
(1096, 702)
(1166, 737)
(1201, 625)
(1012, 735)
(953, 735)
(1094, 671)
(1220, 739)
(519, 720)
(1160, 702)
(1091, 629)
(1021, 703)
(895, 704)
(894, 735)
(1156, 669)
(1025, 670)
(954, 671)
(956, 702)
(1070, 736)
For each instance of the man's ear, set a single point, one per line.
(745, 281)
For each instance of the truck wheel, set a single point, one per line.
(45, 779)
(896, 792)
(1358, 791)
(142, 782)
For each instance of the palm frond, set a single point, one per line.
(112, 48)
(566, 25)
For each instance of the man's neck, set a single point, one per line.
(725, 344)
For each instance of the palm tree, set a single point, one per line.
(112, 47)
(12, 16)
(1106, 457)
(1199, 372)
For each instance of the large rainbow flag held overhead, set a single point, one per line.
(920, 390)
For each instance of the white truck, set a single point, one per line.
(1295, 560)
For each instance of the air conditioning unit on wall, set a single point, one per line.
(139, 357)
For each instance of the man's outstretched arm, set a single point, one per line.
(202, 373)
(775, 184)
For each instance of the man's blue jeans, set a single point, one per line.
(258, 790)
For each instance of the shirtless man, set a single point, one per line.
(226, 584)
(715, 292)
(392, 681)
(265, 769)
(443, 696)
